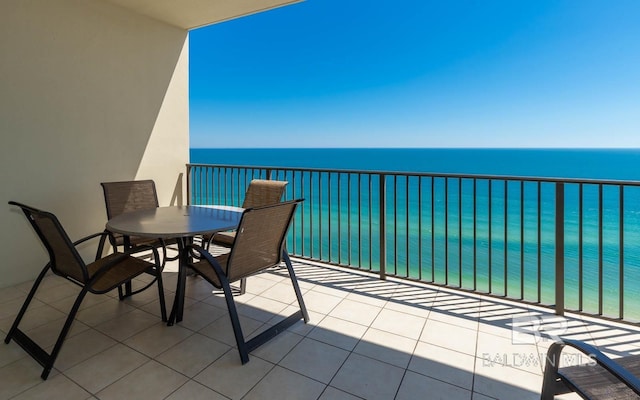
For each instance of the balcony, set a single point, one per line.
(396, 312)
(367, 338)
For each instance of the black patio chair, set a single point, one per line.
(98, 277)
(125, 196)
(259, 244)
(599, 378)
(260, 192)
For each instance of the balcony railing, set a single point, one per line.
(568, 244)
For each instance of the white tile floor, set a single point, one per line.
(367, 339)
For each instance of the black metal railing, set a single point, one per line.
(570, 244)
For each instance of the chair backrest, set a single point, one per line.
(260, 239)
(120, 197)
(64, 258)
(263, 192)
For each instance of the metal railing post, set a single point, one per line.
(383, 226)
(559, 306)
(188, 184)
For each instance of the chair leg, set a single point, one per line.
(163, 307)
(63, 333)
(235, 321)
(26, 303)
(36, 351)
(243, 286)
(296, 287)
(551, 383)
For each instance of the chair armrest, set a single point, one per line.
(204, 254)
(103, 237)
(596, 355)
(84, 239)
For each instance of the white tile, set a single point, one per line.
(128, 324)
(504, 382)
(281, 383)
(103, 311)
(222, 331)
(11, 352)
(200, 314)
(386, 347)
(443, 364)
(416, 386)
(523, 356)
(195, 391)
(103, 369)
(19, 376)
(151, 381)
(192, 355)
(376, 296)
(320, 302)
(282, 292)
(232, 379)
(338, 332)
(331, 393)
(258, 284)
(315, 359)
(58, 387)
(261, 308)
(450, 336)
(157, 338)
(368, 378)
(355, 311)
(398, 323)
(81, 347)
(278, 347)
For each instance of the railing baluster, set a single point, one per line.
(522, 240)
(475, 234)
(433, 231)
(621, 251)
(407, 225)
(460, 232)
(580, 246)
(490, 230)
(419, 228)
(395, 225)
(505, 290)
(559, 224)
(383, 226)
(600, 250)
(446, 231)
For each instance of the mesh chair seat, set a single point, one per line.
(124, 269)
(600, 378)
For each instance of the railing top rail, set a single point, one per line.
(429, 174)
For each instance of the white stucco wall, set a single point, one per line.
(89, 92)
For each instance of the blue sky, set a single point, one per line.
(420, 73)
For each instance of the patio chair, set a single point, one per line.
(258, 245)
(125, 196)
(98, 277)
(600, 378)
(260, 192)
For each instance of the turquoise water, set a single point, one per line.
(519, 255)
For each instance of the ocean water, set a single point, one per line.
(623, 164)
(457, 235)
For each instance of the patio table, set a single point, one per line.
(181, 223)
